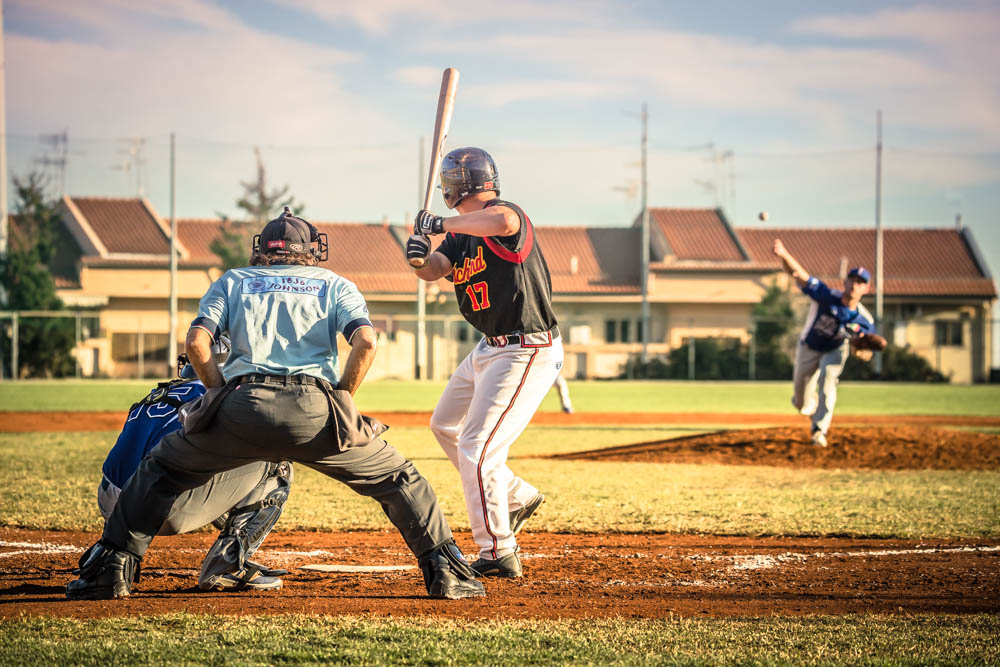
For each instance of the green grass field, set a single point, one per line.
(621, 396)
(50, 479)
(182, 638)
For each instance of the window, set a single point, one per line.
(626, 336)
(126, 346)
(948, 332)
(610, 331)
(463, 332)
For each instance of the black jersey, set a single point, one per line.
(502, 282)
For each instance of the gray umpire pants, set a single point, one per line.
(278, 418)
(202, 505)
(815, 383)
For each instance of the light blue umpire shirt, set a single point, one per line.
(282, 320)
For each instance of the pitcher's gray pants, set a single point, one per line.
(815, 383)
(274, 422)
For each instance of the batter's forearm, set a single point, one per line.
(437, 267)
(363, 345)
(492, 221)
(198, 347)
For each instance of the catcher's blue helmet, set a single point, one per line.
(466, 171)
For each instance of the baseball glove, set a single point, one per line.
(871, 341)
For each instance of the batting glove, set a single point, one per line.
(418, 246)
(427, 223)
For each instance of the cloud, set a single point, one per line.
(145, 70)
(419, 75)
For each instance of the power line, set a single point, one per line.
(933, 153)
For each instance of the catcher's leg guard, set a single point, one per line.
(245, 529)
(447, 574)
(106, 573)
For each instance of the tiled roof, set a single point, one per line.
(696, 233)
(123, 225)
(196, 235)
(607, 259)
(931, 262)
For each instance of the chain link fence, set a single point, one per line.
(962, 350)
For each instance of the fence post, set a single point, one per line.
(142, 353)
(690, 357)
(76, 350)
(752, 366)
(14, 374)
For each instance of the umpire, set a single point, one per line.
(280, 396)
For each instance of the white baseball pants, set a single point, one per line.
(487, 404)
(815, 383)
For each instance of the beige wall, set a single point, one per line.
(683, 304)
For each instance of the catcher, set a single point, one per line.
(836, 323)
(244, 503)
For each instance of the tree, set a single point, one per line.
(774, 318)
(260, 203)
(44, 344)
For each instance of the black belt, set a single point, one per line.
(299, 378)
(539, 339)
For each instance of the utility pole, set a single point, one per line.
(644, 270)
(3, 143)
(172, 334)
(878, 235)
(421, 346)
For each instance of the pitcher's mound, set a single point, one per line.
(896, 448)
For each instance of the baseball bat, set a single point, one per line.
(446, 104)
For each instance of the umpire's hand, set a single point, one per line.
(418, 247)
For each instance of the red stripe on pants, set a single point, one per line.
(486, 445)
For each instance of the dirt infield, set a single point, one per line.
(26, 422)
(566, 576)
(884, 448)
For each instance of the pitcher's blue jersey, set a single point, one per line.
(828, 320)
(147, 423)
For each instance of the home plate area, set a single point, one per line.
(566, 576)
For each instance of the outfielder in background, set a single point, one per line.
(280, 396)
(491, 254)
(244, 503)
(834, 318)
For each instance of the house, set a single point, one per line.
(704, 278)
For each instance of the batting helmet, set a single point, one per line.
(288, 234)
(466, 171)
(220, 352)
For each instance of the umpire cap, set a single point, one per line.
(288, 234)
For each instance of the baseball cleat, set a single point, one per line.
(818, 439)
(107, 575)
(506, 567)
(519, 516)
(447, 574)
(239, 581)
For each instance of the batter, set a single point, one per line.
(491, 254)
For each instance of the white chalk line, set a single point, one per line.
(764, 562)
(36, 548)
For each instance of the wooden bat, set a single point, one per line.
(446, 104)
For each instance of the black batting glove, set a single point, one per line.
(427, 223)
(418, 247)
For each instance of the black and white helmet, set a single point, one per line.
(466, 171)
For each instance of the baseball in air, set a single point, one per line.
(762, 215)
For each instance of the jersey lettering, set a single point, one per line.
(469, 268)
(287, 284)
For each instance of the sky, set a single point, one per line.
(751, 106)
